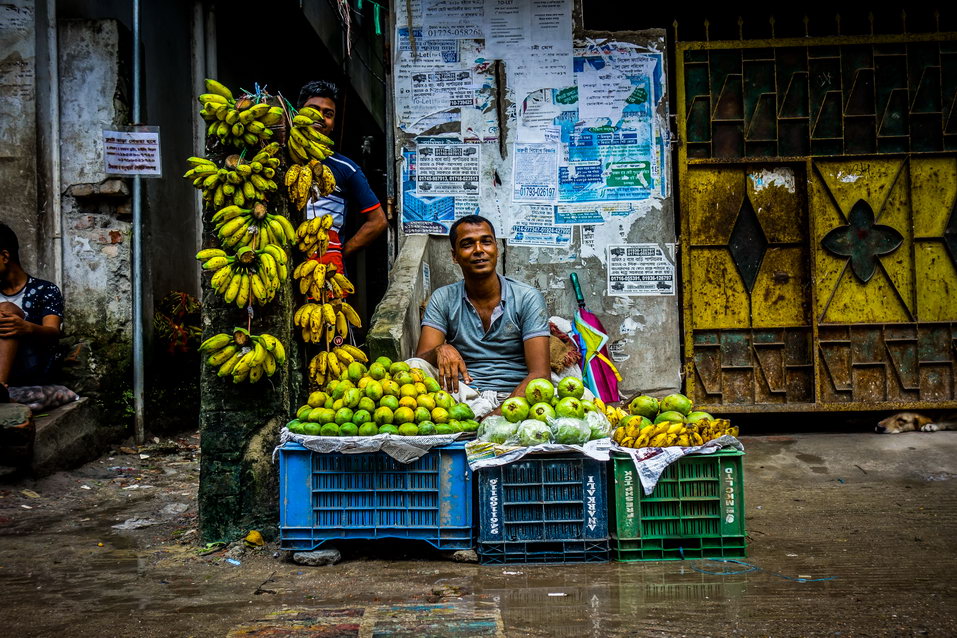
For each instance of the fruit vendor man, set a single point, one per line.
(31, 311)
(352, 195)
(487, 331)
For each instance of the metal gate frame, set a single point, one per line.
(817, 356)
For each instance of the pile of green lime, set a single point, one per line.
(387, 397)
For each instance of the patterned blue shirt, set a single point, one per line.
(37, 299)
(495, 358)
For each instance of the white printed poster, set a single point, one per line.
(133, 151)
(641, 270)
(533, 226)
(534, 173)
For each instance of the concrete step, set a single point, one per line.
(65, 437)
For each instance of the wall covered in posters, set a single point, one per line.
(561, 139)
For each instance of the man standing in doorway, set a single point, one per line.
(352, 195)
(31, 312)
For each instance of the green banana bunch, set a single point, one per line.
(305, 142)
(239, 182)
(254, 227)
(239, 123)
(244, 356)
(251, 276)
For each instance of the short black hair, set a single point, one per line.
(468, 219)
(9, 242)
(318, 88)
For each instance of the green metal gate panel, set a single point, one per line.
(818, 183)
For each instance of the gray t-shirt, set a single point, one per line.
(495, 359)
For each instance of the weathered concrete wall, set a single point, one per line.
(18, 136)
(96, 210)
(644, 331)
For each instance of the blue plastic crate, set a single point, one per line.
(543, 498)
(597, 551)
(370, 496)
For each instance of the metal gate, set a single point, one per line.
(818, 205)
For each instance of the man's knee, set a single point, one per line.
(10, 309)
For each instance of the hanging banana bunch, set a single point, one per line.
(323, 322)
(244, 356)
(251, 276)
(254, 226)
(302, 180)
(239, 123)
(313, 235)
(239, 182)
(305, 141)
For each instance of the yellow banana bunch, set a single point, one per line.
(322, 322)
(302, 179)
(313, 235)
(244, 356)
(240, 123)
(248, 277)
(237, 227)
(669, 433)
(312, 278)
(305, 142)
(615, 414)
(238, 182)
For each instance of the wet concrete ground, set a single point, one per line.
(875, 514)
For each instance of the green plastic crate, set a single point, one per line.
(695, 511)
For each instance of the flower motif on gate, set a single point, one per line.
(862, 241)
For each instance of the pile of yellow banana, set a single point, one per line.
(321, 281)
(240, 182)
(313, 235)
(668, 433)
(240, 122)
(254, 226)
(614, 414)
(322, 322)
(251, 276)
(305, 141)
(244, 356)
(326, 366)
(300, 180)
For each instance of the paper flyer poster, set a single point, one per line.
(533, 226)
(534, 172)
(641, 270)
(440, 183)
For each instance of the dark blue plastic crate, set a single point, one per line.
(370, 496)
(597, 551)
(543, 498)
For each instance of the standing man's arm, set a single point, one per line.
(374, 225)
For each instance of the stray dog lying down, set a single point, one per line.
(914, 422)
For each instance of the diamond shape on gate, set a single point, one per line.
(747, 244)
(950, 234)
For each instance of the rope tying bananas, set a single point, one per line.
(244, 356)
(238, 123)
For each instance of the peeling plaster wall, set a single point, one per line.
(18, 135)
(644, 332)
(95, 210)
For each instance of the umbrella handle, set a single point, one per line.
(578, 290)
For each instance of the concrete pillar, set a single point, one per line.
(18, 134)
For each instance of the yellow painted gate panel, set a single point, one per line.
(818, 208)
